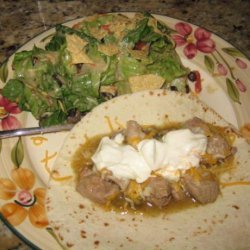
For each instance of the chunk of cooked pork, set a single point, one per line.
(93, 186)
(122, 183)
(177, 191)
(217, 145)
(197, 126)
(201, 184)
(133, 133)
(158, 191)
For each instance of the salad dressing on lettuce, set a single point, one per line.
(95, 60)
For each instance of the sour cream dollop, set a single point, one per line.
(178, 151)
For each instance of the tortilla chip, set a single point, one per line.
(120, 25)
(92, 18)
(118, 29)
(141, 54)
(109, 49)
(52, 57)
(144, 82)
(98, 33)
(110, 89)
(75, 45)
(153, 23)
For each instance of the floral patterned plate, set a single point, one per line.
(25, 163)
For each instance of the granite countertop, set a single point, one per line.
(22, 20)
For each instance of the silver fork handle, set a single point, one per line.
(34, 131)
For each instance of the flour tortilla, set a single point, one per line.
(81, 224)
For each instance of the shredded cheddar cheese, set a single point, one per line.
(236, 183)
(109, 122)
(53, 174)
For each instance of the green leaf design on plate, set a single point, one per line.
(209, 63)
(52, 233)
(17, 153)
(4, 71)
(232, 91)
(233, 52)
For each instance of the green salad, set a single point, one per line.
(97, 59)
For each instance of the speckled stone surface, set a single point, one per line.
(22, 20)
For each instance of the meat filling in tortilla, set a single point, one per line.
(194, 176)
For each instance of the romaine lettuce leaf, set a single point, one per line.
(83, 104)
(151, 36)
(168, 67)
(54, 118)
(129, 66)
(109, 39)
(109, 75)
(20, 57)
(94, 53)
(85, 86)
(13, 90)
(37, 103)
(123, 88)
(100, 20)
(164, 28)
(135, 35)
(58, 40)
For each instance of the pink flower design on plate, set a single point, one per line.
(222, 69)
(7, 110)
(199, 40)
(241, 64)
(241, 86)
